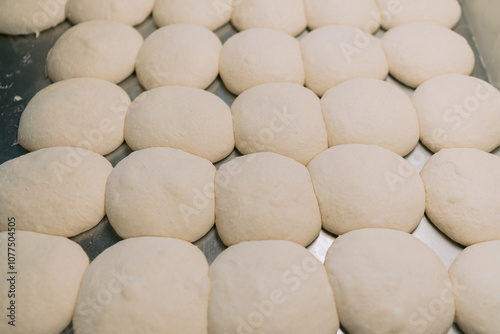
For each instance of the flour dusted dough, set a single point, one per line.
(270, 287)
(388, 281)
(186, 118)
(265, 196)
(283, 118)
(58, 190)
(152, 285)
(361, 186)
(370, 111)
(260, 55)
(420, 51)
(130, 12)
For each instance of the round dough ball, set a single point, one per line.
(360, 186)
(420, 51)
(283, 118)
(211, 14)
(474, 275)
(370, 111)
(149, 285)
(388, 281)
(82, 112)
(456, 111)
(179, 55)
(130, 12)
(265, 196)
(462, 185)
(57, 190)
(49, 271)
(285, 15)
(270, 287)
(161, 192)
(186, 118)
(260, 55)
(334, 54)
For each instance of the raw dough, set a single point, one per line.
(420, 51)
(283, 118)
(82, 112)
(270, 287)
(186, 118)
(361, 186)
(388, 281)
(370, 111)
(260, 55)
(265, 196)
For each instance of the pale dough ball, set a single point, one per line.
(270, 287)
(456, 111)
(130, 12)
(361, 186)
(81, 112)
(474, 276)
(211, 14)
(370, 111)
(285, 15)
(161, 192)
(260, 55)
(186, 118)
(420, 51)
(145, 285)
(334, 54)
(388, 281)
(58, 190)
(462, 185)
(283, 118)
(265, 196)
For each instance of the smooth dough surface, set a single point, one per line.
(420, 51)
(265, 196)
(179, 55)
(334, 54)
(145, 285)
(283, 118)
(456, 111)
(186, 118)
(130, 12)
(260, 55)
(362, 186)
(370, 111)
(462, 185)
(387, 281)
(49, 271)
(82, 112)
(270, 287)
(58, 190)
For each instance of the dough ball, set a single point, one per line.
(161, 192)
(388, 281)
(130, 12)
(462, 185)
(420, 51)
(270, 287)
(285, 15)
(361, 186)
(82, 112)
(211, 14)
(370, 111)
(456, 110)
(474, 276)
(145, 285)
(283, 118)
(334, 54)
(265, 196)
(58, 190)
(186, 118)
(260, 55)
